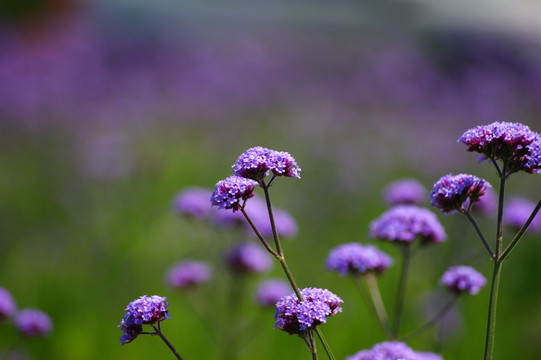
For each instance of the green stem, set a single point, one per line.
(171, 347)
(479, 232)
(400, 297)
(434, 320)
(377, 302)
(312, 346)
(258, 234)
(491, 323)
(326, 346)
(271, 217)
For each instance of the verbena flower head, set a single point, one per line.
(296, 317)
(193, 202)
(450, 192)
(248, 258)
(33, 323)
(356, 259)
(405, 223)
(146, 310)
(393, 350)
(232, 192)
(511, 142)
(462, 279)
(8, 307)
(188, 274)
(404, 191)
(257, 162)
(516, 212)
(270, 291)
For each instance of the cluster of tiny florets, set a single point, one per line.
(295, 317)
(231, 193)
(357, 259)
(450, 192)
(393, 350)
(146, 310)
(462, 279)
(258, 162)
(405, 223)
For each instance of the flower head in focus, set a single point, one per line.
(405, 223)
(462, 279)
(232, 192)
(356, 259)
(296, 317)
(248, 258)
(146, 310)
(258, 162)
(188, 274)
(404, 191)
(270, 291)
(450, 192)
(33, 323)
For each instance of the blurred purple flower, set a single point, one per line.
(269, 292)
(356, 259)
(404, 191)
(295, 317)
(451, 191)
(258, 212)
(8, 307)
(487, 204)
(188, 274)
(146, 310)
(232, 192)
(33, 323)
(257, 162)
(248, 258)
(461, 279)
(516, 212)
(193, 202)
(405, 223)
(393, 350)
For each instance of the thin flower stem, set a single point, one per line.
(313, 349)
(479, 232)
(171, 347)
(491, 323)
(499, 236)
(368, 300)
(377, 301)
(326, 346)
(521, 232)
(448, 306)
(271, 217)
(258, 234)
(400, 297)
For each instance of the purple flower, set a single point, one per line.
(257, 162)
(142, 311)
(187, 274)
(511, 142)
(193, 202)
(33, 323)
(269, 292)
(248, 258)
(451, 191)
(461, 279)
(232, 192)
(7, 304)
(517, 211)
(404, 191)
(296, 317)
(487, 204)
(405, 223)
(393, 350)
(258, 212)
(356, 259)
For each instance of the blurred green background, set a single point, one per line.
(109, 109)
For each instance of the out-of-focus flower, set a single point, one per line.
(188, 274)
(270, 291)
(193, 202)
(248, 258)
(451, 191)
(295, 317)
(461, 279)
(33, 323)
(516, 212)
(356, 259)
(393, 350)
(286, 227)
(146, 310)
(487, 204)
(232, 192)
(7, 304)
(405, 223)
(404, 191)
(514, 143)
(257, 162)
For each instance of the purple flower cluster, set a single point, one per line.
(450, 192)
(232, 192)
(146, 310)
(405, 223)
(270, 291)
(356, 259)
(393, 350)
(33, 323)
(193, 202)
(404, 191)
(248, 258)
(461, 279)
(257, 162)
(516, 212)
(8, 308)
(296, 317)
(188, 274)
(514, 143)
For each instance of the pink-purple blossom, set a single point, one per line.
(463, 279)
(193, 202)
(404, 191)
(258, 162)
(232, 192)
(450, 192)
(516, 212)
(247, 258)
(357, 259)
(8, 307)
(188, 273)
(146, 310)
(33, 323)
(270, 291)
(393, 350)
